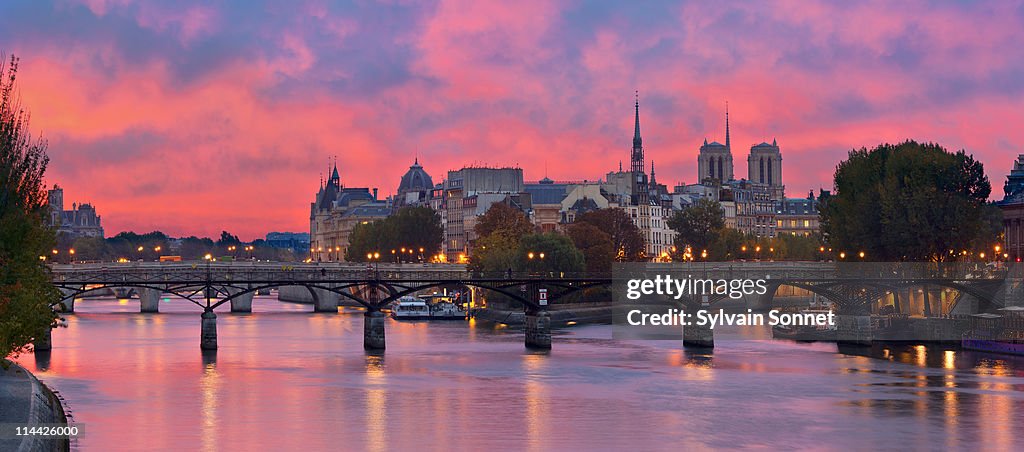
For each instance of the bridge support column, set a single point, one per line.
(538, 330)
(853, 329)
(373, 330)
(67, 303)
(325, 301)
(698, 336)
(242, 303)
(44, 342)
(208, 333)
(149, 300)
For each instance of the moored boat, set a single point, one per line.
(410, 308)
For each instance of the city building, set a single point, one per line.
(80, 221)
(546, 197)
(462, 203)
(715, 159)
(647, 213)
(797, 216)
(415, 188)
(764, 166)
(1012, 206)
(297, 242)
(335, 212)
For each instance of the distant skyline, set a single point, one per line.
(191, 118)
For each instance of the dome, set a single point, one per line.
(416, 179)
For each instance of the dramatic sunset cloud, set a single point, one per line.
(193, 117)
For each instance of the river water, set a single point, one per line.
(285, 378)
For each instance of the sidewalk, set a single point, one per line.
(25, 401)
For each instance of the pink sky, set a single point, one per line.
(193, 118)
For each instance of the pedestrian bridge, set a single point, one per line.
(854, 288)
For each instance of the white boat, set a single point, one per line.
(433, 307)
(410, 308)
(444, 307)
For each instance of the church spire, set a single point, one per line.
(727, 145)
(636, 130)
(652, 173)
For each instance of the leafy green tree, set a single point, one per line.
(26, 292)
(596, 246)
(549, 252)
(909, 202)
(698, 225)
(627, 240)
(411, 228)
(499, 231)
(503, 219)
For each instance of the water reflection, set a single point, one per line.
(376, 403)
(284, 378)
(210, 387)
(42, 360)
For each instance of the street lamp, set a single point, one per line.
(861, 254)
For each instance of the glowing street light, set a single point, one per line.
(861, 254)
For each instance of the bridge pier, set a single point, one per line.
(44, 342)
(538, 330)
(698, 336)
(208, 332)
(325, 301)
(242, 303)
(373, 330)
(67, 302)
(149, 300)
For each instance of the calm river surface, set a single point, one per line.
(285, 378)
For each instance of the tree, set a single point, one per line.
(499, 231)
(698, 225)
(226, 239)
(627, 240)
(26, 292)
(503, 219)
(909, 202)
(596, 246)
(548, 252)
(413, 228)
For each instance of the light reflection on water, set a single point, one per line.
(284, 378)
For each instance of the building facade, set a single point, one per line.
(1012, 206)
(415, 188)
(714, 161)
(462, 203)
(797, 216)
(81, 221)
(333, 214)
(764, 166)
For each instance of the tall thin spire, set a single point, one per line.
(727, 145)
(636, 131)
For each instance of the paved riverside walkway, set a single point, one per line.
(24, 401)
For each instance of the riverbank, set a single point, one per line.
(24, 400)
(560, 314)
